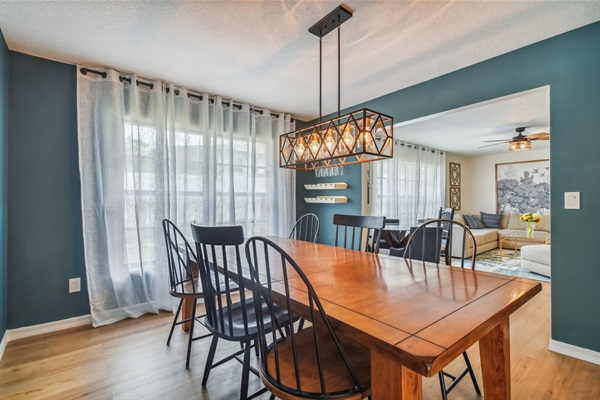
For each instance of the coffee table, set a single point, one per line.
(521, 237)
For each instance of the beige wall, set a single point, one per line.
(478, 186)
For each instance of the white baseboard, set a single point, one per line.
(575, 351)
(3, 343)
(40, 329)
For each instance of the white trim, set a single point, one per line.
(3, 343)
(575, 351)
(524, 93)
(40, 329)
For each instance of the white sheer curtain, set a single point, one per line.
(145, 155)
(224, 166)
(409, 186)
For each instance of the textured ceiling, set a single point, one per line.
(261, 52)
(463, 131)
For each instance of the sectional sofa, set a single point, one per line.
(487, 238)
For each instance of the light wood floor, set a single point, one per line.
(129, 360)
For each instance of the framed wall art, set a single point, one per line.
(455, 197)
(454, 174)
(523, 187)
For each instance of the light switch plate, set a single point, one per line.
(572, 200)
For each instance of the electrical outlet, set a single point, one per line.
(74, 285)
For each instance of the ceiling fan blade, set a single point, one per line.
(539, 136)
(500, 140)
(489, 145)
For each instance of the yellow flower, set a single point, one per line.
(528, 217)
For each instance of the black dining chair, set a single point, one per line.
(306, 228)
(391, 236)
(352, 231)
(184, 281)
(425, 245)
(446, 213)
(313, 363)
(417, 249)
(218, 250)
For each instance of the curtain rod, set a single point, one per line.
(138, 82)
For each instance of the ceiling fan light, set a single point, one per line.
(521, 145)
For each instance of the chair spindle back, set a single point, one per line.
(353, 230)
(306, 228)
(273, 262)
(219, 260)
(180, 255)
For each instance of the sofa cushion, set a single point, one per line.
(515, 223)
(485, 235)
(544, 224)
(490, 220)
(473, 222)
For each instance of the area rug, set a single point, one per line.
(510, 264)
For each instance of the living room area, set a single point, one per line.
(495, 156)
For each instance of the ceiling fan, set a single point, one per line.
(520, 142)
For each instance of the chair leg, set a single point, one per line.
(191, 336)
(272, 397)
(174, 322)
(443, 385)
(209, 359)
(245, 372)
(301, 324)
(472, 373)
(256, 348)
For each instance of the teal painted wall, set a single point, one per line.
(352, 176)
(3, 182)
(45, 241)
(570, 64)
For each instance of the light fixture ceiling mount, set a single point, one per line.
(359, 136)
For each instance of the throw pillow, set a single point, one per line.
(473, 222)
(490, 220)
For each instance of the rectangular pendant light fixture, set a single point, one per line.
(356, 137)
(359, 136)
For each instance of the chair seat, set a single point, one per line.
(233, 326)
(337, 377)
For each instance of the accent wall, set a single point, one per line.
(45, 241)
(352, 176)
(570, 65)
(4, 53)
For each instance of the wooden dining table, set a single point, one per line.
(415, 317)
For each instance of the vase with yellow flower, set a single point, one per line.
(531, 219)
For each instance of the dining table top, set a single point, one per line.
(422, 314)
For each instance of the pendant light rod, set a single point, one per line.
(320, 78)
(339, 84)
(328, 23)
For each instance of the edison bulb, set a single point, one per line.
(314, 144)
(300, 147)
(367, 132)
(347, 137)
(329, 142)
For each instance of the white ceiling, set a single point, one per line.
(463, 131)
(261, 52)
